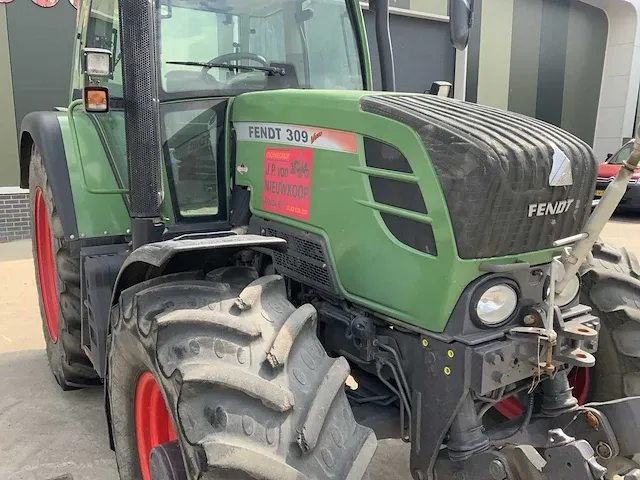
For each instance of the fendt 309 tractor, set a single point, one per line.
(268, 265)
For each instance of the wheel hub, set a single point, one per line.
(154, 427)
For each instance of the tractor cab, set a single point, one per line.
(197, 56)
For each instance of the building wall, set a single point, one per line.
(621, 76)
(542, 58)
(422, 52)
(35, 66)
(41, 45)
(9, 151)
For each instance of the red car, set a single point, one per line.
(607, 172)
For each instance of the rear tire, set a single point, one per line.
(249, 389)
(611, 286)
(57, 273)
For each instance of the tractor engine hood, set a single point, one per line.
(512, 183)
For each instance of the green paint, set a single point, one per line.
(95, 213)
(373, 269)
(91, 186)
(9, 166)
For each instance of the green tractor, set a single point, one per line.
(268, 265)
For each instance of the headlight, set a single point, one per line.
(569, 293)
(496, 304)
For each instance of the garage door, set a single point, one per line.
(421, 51)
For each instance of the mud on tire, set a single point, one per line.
(70, 366)
(249, 387)
(611, 286)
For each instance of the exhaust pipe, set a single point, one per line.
(385, 49)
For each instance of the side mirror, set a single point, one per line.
(460, 22)
(609, 155)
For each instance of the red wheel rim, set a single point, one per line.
(578, 379)
(153, 423)
(46, 265)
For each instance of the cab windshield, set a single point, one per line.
(312, 44)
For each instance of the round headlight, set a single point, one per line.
(496, 304)
(569, 293)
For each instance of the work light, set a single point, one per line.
(496, 304)
(97, 62)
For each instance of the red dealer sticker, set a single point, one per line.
(287, 181)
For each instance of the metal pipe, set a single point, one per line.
(569, 240)
(385, 50)
(576, 256)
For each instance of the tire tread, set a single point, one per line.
(232, 409)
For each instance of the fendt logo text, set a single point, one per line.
(549, 208)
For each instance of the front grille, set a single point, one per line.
(306, 258)
(492, 166)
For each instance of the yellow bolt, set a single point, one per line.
(425, 342)
(447, 371)
(450, 353)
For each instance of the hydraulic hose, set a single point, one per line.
(523, 426)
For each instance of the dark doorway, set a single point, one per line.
(421, 51)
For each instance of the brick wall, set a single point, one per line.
(14, 217)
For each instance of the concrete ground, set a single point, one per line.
(46, 433)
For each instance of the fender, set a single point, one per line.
(43, 130)
(175, 256)
(184, 253)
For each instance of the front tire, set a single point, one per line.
(249, 390)
(611, 286)
(57, 273)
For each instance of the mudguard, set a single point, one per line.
(184, 253)
(155, 259)
(43, 130)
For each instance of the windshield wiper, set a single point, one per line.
(269, 70)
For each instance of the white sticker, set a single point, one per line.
(298, 135)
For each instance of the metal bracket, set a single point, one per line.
(570, 458)
(577, 338)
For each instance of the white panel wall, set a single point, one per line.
(621, 75)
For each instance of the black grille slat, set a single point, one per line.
(412, 233)
(384, 156)
(491, 165)
(306, 258)
(398, 194)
